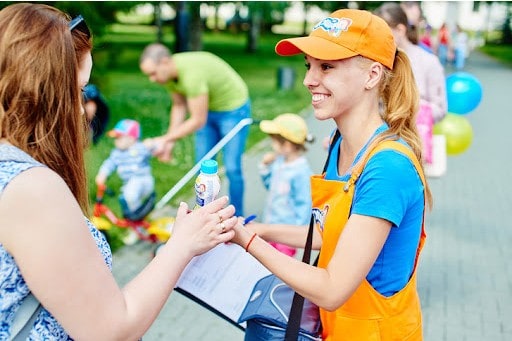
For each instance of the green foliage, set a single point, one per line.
(501, 52)
(131, 95)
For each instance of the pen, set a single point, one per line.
(249, 219)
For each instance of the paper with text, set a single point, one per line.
(223, 278)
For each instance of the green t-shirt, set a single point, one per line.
(202, 72)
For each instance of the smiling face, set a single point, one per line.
(336, 86)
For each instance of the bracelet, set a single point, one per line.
(249, 243)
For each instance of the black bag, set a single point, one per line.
(268, 309)
(276, 312)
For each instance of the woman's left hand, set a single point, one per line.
(204, 228)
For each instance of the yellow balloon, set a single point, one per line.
(458, 133)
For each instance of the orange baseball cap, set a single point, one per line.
(345, 33)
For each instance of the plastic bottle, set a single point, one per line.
(207, 184)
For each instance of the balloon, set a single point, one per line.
(464, 92)
(458, 133)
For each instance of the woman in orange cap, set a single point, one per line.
(369, 204)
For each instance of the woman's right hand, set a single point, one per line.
(204, 228)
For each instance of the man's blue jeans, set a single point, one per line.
(219, 124)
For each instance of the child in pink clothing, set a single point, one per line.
(427, 70)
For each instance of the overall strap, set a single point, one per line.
(295, 317)
(378, 146)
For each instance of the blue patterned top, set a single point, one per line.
(13, 288)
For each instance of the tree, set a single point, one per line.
(196, 26)
(507, 32)
(98, 14)
(158, 21)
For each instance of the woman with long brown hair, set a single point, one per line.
(48, 248)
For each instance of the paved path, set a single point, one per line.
(465, 278)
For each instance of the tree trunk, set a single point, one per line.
(196, 26)
(181, 27)
(305, 23)
(158, 22)
(254, 29)
(507, 32)
(216, 18)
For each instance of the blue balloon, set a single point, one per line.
(464, 92)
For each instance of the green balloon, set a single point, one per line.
(458, 133)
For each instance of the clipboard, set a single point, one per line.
(222, 280)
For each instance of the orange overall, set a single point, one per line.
(366, 315)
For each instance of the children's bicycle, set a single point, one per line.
(154, 231)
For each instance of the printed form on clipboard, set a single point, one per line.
(222, 280)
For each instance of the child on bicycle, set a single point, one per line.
(131, 159)
(286, 174)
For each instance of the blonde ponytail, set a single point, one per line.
(400, 100)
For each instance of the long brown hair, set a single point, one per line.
(40, 101)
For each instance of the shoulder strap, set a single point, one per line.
(294, 319)
(376, 147)
(25, 318)
(387, 144)
(334, 139)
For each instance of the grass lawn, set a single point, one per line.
(131, 95)
(502, 53)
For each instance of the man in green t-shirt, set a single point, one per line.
(215, 98)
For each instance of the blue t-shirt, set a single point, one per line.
(388, 188)
(131, 162)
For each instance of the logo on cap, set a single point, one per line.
(334, 26)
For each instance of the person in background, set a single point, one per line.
(54, 253)
(216, 99)
(285, 173)
(461, 48)
(426, 38)
(131, 159)
(97, 111)
(444, 45)
(369, 205)
(428, 72)
(415, 21)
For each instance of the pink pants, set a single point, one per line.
(425, 124)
